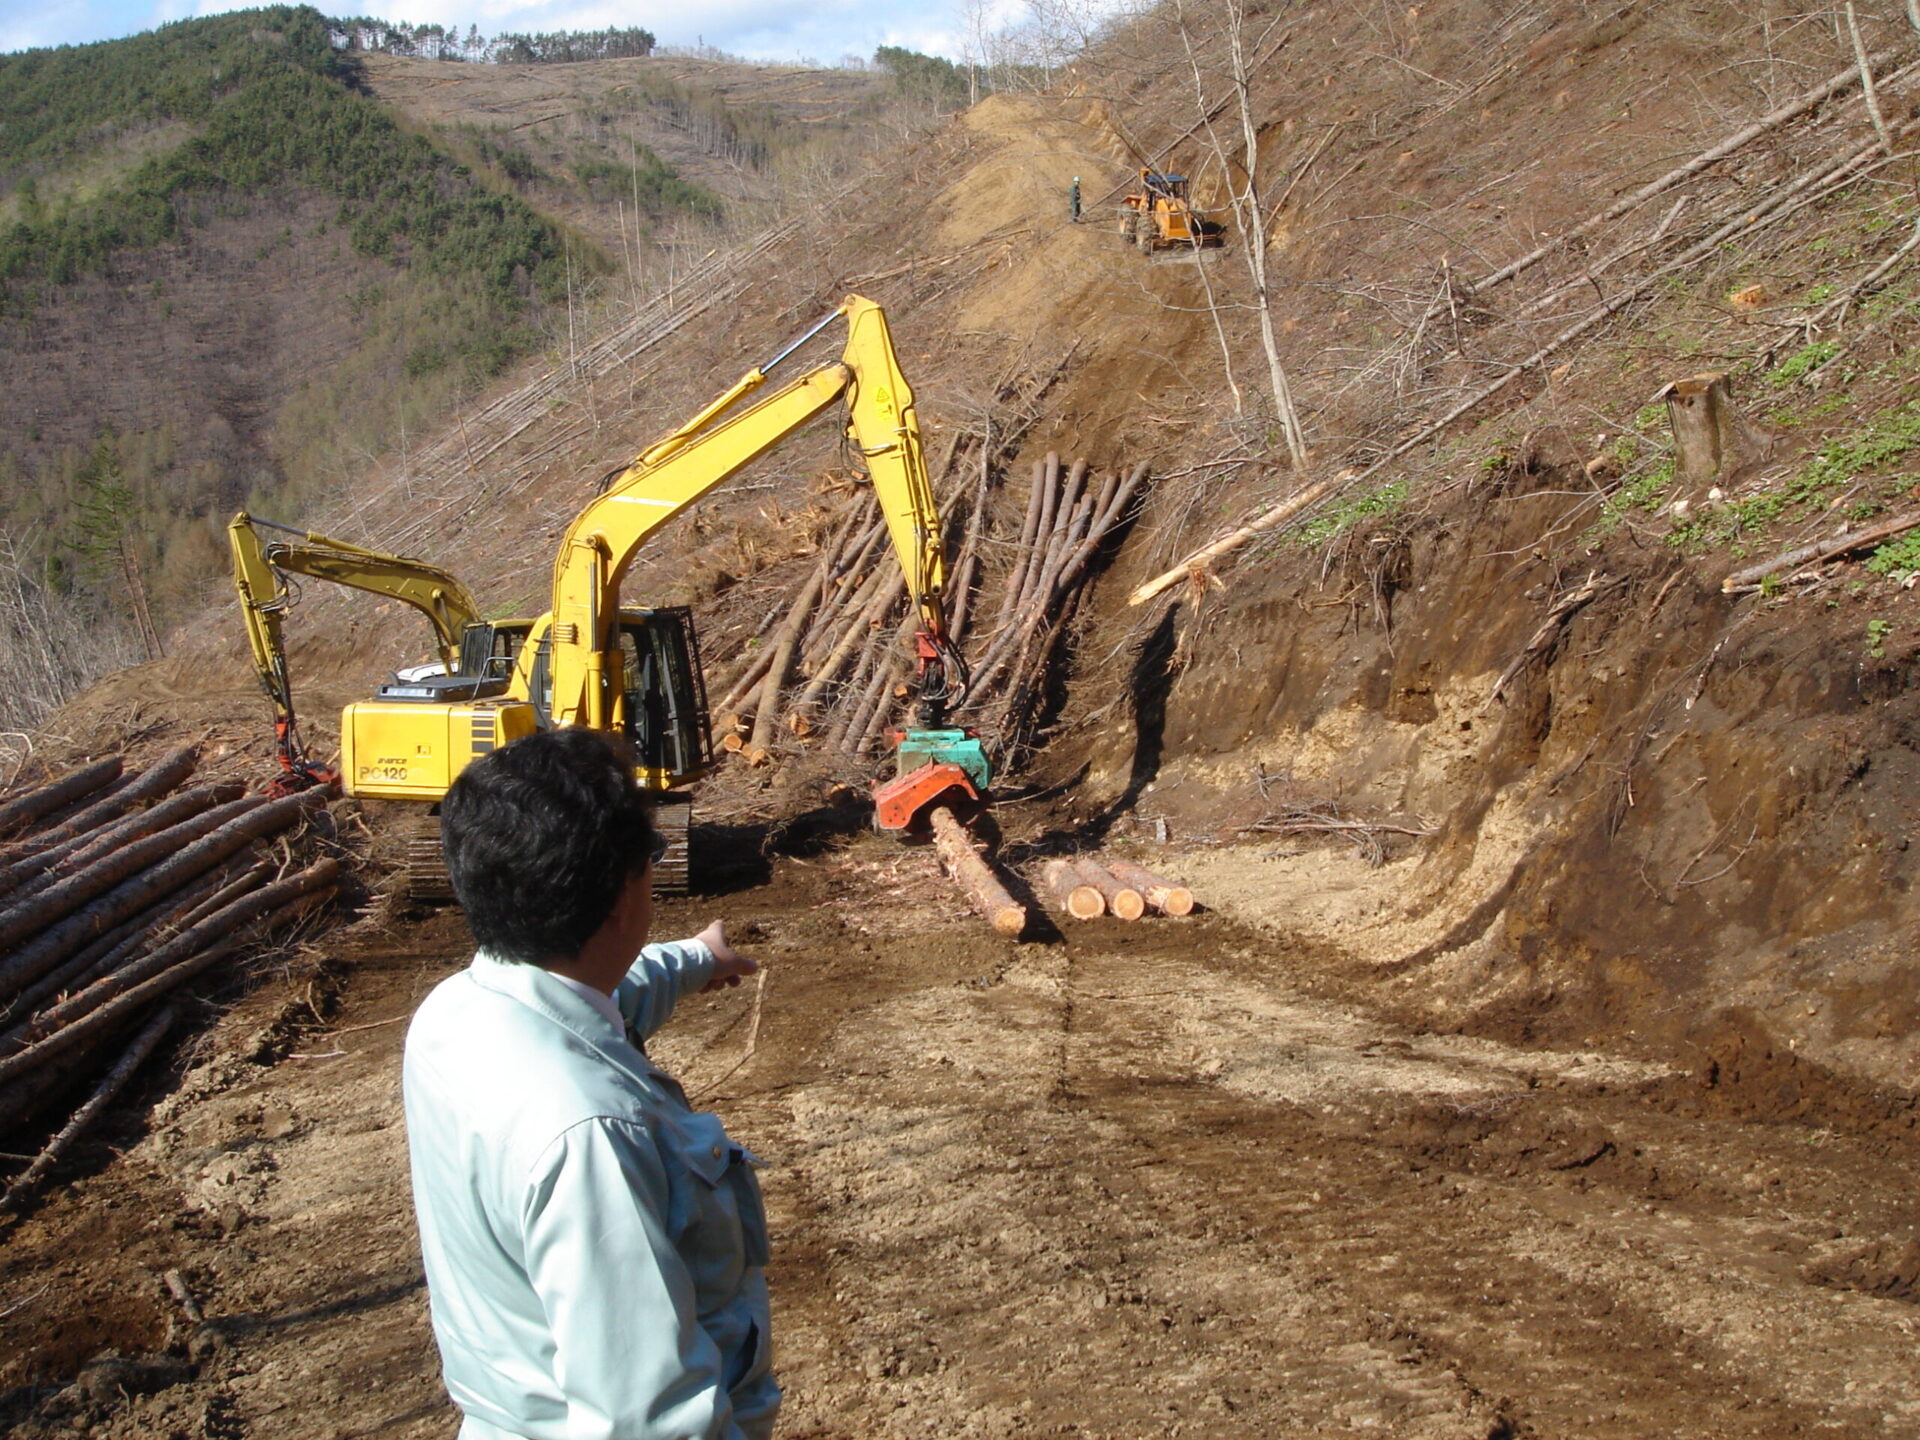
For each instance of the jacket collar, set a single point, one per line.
(547, 995)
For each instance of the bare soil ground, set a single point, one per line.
(1161, 1179)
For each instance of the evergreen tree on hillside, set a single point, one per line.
(274, 102)
(105, 537)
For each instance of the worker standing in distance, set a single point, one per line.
(594, 1247)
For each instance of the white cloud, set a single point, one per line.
(64, 22)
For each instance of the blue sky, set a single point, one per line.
(821, 30)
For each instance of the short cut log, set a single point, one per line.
(1083, 901)
(1166, 896)
(1126, 902)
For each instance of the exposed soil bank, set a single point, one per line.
(1683, 812)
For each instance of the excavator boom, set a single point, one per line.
(636, 672)
(449, 607)
(722, 439)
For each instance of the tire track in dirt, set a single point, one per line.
(1145, 1183)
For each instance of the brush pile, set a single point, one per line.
(828, 668)
(116, 889)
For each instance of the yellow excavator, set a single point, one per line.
(468, 646)
(636, 672)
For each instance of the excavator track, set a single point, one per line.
(427, 882)
(673, 818)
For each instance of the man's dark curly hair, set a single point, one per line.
(541, 836)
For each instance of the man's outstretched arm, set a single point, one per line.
(662, 973)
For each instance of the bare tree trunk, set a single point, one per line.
(1249, 211)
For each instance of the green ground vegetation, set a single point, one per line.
(1888, 436)
(1331, 524)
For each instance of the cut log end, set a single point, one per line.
(1085, 903)
(1162, 894)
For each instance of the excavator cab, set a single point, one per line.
(488, 648)
(658, 700)
(1160, 214)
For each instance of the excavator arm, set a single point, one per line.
(263, 600)
(259, 570)
(446, 603)
(722, 439)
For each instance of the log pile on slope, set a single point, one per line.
(115, 891)
(829, 666)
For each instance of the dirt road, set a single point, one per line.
(1158, 1179)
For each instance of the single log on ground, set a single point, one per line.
(50, 947)
(1816, 551)
(84, 1014)
(23, 810)
(975, 875)
(1083, 901)
(1166, 896)
(1125, 901)
(144, 1044)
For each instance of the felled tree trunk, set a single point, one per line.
(975, 876)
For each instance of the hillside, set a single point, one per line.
(300, 256)
(1543, 1061)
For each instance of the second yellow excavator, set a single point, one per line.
(636, 672)
(479, 653)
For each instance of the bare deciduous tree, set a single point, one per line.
(1249, 205)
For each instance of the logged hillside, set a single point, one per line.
(1501, 628)
(1542, 1062)
(238, 261)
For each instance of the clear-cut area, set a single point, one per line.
(1483, 580)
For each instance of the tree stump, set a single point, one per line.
(1717, 443)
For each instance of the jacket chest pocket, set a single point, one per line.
(726, 1198)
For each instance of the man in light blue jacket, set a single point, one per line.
(594, 1246)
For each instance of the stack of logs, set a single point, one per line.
(1090, 888)
(115, 890)
(830, 667)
